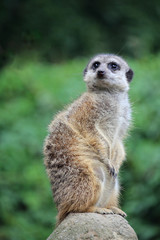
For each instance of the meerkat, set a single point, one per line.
(84, 149)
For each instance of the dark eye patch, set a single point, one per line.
(95, 65)
(113, 66)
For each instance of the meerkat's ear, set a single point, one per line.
(85, 71)
(129, 75)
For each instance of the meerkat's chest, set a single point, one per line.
(111, 125)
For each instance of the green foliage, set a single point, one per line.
(31, 92)
(142, 179)
(66, 29)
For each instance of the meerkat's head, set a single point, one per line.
(108, 72)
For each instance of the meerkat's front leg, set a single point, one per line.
(117, 157)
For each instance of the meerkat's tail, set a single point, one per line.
(81, 194)
(61, 216)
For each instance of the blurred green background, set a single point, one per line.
(44, 47)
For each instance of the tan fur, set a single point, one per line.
(84, 149)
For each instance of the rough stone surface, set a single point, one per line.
(88, 226)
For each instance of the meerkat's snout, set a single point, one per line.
(101, 74)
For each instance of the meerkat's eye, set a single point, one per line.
(113, 66)
(95, 65)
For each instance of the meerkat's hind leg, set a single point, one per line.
(113, 201)
(100, 210)
(118, 211)
(110, 210)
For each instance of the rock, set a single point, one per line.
(88, 226)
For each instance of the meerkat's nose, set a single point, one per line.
(100, 74)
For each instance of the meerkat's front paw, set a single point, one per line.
(118, 211)
(112, 170)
